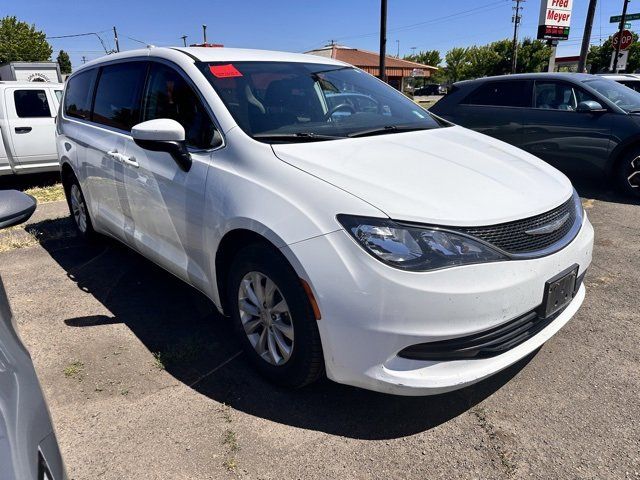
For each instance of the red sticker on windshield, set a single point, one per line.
(224, 71)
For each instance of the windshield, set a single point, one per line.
(291, 102)
(623, 97)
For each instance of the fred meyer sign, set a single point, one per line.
(555, 19)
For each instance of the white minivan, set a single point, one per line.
(27, 127)
(341, 227)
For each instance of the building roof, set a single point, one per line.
(370, 61)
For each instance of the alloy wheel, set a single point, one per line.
(78, 208)
(266, 318)
(633, 173)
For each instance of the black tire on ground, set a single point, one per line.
(306, 363)
(70, 184)
(627, 173)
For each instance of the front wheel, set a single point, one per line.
(273, 317)
(628, 173)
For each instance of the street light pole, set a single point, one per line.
(620, 30)
(383, 40)
(184, 40)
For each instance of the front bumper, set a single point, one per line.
(371, 311)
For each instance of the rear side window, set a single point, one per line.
(31, 103)
(77, 99)
(117, 102)
(168, 95)
(501, 94)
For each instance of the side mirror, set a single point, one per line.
(590, 106)
(15, 207)
(163, 135)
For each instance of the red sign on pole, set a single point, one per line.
(627, 40)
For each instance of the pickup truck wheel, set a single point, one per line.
(79, 210)
(273, 317)
(628, 173)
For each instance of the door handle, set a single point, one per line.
(23, 129)
(131, 161)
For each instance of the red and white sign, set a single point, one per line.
(627, 40)
(555, 13)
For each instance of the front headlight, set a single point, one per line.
(415, 248)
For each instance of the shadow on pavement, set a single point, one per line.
(600, 189)
(187, 335)
(24, 182)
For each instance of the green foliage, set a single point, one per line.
(599, 57)
(428, 57)
(20, 41)
(495, 59)
(65, 62)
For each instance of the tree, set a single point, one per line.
(480, 62)
(456, 60)
(65, 62)
(533, 56)
(20, 41)
(428, 57)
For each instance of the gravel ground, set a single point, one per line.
(144, 380)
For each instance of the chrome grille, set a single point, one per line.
(511, 236)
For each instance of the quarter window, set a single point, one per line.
(31, 103)
(168, 95)
(117, 102)
(79, 92)
(501, 94)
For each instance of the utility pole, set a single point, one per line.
(516, 25)
(184, 40)
(398, 54)
(586, 38)
(204, 33)
(383, 40)
(84, 59)
(115, 38)
(620, 30)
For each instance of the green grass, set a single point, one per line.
(51, 193)
(74, 370)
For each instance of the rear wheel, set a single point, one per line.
(78, 207)
(628, 173)
(273, 317)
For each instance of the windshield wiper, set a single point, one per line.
(386, 129)
(298, 136)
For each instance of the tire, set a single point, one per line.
(274, 325)
(628, 173)
(78, 207)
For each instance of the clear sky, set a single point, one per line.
(296, 25)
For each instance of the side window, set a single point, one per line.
(168, 95)
(79, 92)
(501, 94)
(31, 103)
(559, 96)
(117, 102)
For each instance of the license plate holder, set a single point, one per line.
(559, 291)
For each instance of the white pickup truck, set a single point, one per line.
(27, 125)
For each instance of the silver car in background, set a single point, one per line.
(28, 446)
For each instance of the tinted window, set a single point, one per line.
(168, 95)
(117, 102)
(502, 94)
(635, 85)
(79, 91)
(559, 96)
(31, 103)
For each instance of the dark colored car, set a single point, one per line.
(576, 122)
(28, 446)
(431, 89)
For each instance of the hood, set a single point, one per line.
(446, 176)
